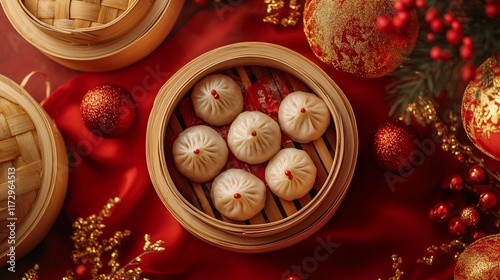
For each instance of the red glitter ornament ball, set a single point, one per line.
(480, 105)
(345, 34)
(394, 146)
(108, 110)
(480, 260)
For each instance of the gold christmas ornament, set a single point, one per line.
(481, 108)
(480, 260)
(344, 34)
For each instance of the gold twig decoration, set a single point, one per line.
(396, 263)
(455, 247)
(275, 10)
(424, 111)
(89, 248)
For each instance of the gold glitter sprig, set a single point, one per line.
(425, 112)
(455, 247)
(275, 10)
(89, 249)
(396, 263)
(88, 245)
(31, 274)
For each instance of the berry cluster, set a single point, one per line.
(451, 28)
(401, 19)
(465, 219)
(444, 25)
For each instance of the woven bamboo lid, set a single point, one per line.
(89, 21)
(281, 223)
(33, 171)
(140, 39)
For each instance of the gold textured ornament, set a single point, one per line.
(480, 260)
(344, 34)
(481, 108)
(276, 10)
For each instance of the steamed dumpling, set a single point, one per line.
(199, 153)
(217, 99)
(254, 137)
(303, 116)
(238, 194)
(290, 174)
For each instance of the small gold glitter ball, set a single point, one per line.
(344, 34)
(481, 108)
(480, 260)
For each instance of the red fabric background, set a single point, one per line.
(375, 220)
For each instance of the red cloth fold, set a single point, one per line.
(376, 219)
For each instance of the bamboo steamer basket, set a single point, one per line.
(140, 40)
(281, 223)
(83, 22)
(33, 167)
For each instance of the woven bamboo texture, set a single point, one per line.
(33, 170)
(75, 14)
(127, 39)
(281, 223)
(19, 149)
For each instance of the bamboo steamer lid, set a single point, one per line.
(33, 172)
(83, 22)
(282, 223)
(140, 40)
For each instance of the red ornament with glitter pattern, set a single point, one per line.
(481, 108)
(344, 34)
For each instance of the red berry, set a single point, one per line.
(456, 227)
(408, 3)
(399, 6)
(488, 199)
(453, 36)
(453, 183)
(440, 212)
(477, 175)
(449, 18)
(431, 14)
(468, 41)
(437, 25)
(293, 276)
(466, 52)
(431, 36)
(401, 20)
(492, 9)
(435, 53)
(477, 234)
(421, 4)
(467, 72)
(82, 271)
(383, 24)
(445, 55)
(469, 215)
(456, 25)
